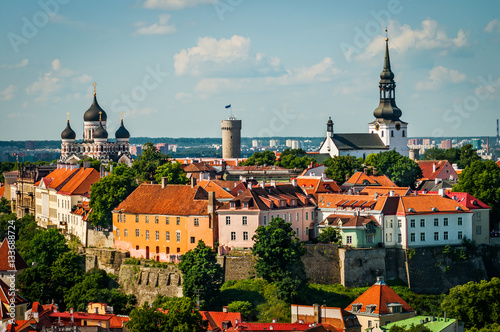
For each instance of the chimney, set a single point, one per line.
(274, 321)
(437, 180)
(164, 182)
(211, 203)
(236, 322)
(323, 176)
(317, 313)
(193, 181)
(273, 183)
(202, 176)
(380, 279)
(365, 170)
(294, 182)
(71, 311)
(433, 167)
(249, 185)
(263, 184)
(442, 192)
(103, 171)
(224, 165)
(225, 309)
(391, 193)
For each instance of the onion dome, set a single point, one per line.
(100, 132)
(92, 114)
(122, 132)
(68, 133)
(330, 122)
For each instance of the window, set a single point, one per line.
(348, 239)
(422, 237)
(388, 237)
(297, 217)
(265, 220)
(436, 222)
(245, 205)
(412, 223)
(460, 235)
(478, 216)
(389, 224)
(445, 221)
(290, 215)
(136, 218)
(125, 232)
(460, 221)
(137, 232)
(157, 236)
(178, 250)
(307, 232)
(400, 238)
(197, 221)
(382, 134)
(369, 238)
(245, 236)
(157, 220)
(278, 215)
(404, 134)
(436, 236)
(192, 239)
(244, 220)
(478, 230)
(228, 220)
(147, 235)
(284, 217)
(412, 237)
(167, 236)
(422, 222)
(369, 323)
(297, 231)
(167, 220)
(445, 236)
(124, 218)
(167, 250)
(178, 220)
(307, 215)
(178, 236)
(400, 223)
(147, 219)
(117, 232)
(233, 236)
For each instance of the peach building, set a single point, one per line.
(162, 222)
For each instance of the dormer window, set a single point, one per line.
(232, 205)
(370, 309)
(357, 307)
(395, 308)
(245, 205)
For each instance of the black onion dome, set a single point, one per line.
(92, 114)
(122, 132)
(329, 122)
(68, 133)
(100, 132)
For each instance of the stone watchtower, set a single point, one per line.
(231, 138)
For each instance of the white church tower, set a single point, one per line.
(387, 125)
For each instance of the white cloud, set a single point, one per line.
(56, 64)
(44, 86)
(404, 38)
(83, 78)
(225, 58)
(176, 4)
(439, 76)
(23, 63)
(183, 95)
(140, 112)
(493, 26)
(8, 92)
(320, 72)
(160, 28)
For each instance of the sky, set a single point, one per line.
(284, 66)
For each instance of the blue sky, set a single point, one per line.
(285, 66)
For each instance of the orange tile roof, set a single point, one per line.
(19, 262)
(400, 191)
(315, 185)
(332, 200)
(498, 163)
(58, 177)
(213, 186)
(360, 178)
(177, 200)
(427, 167)
(198, 167)
(380, 295)
(349, 220)
(383, 180)
(2, 191)
(429, 204)
(80, 182)
(215, 318)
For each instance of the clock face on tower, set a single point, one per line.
(398, 126)
(377, 126)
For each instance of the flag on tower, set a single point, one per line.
(228, 106)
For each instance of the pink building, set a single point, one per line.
(446, 144)
(257, 206)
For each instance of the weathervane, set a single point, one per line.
(121, 115)
(386, 36)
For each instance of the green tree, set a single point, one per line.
(278, 253)
(66, 272)
(201, 273)
(405, 172)
(92, 288)
(34, 284)
(468, 155)
(245, 308)
(108, 192)
(341, 168)
(481, 179)
(260, 158)
(495, 327)
(46, 247)
(385, 160)
(94, 163)
(6, 166)
(475, 304)
(329, 235)
(4, 205)
(434, 154)
(6, 220)
(173, 172)
(149, 160)
(179, 315)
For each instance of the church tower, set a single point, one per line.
(387, 125)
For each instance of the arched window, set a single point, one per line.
(404, 135)
(392, 133)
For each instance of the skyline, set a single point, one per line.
(172, 66)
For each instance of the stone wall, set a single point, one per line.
(360, 267)
(110, 260)
(146, 282)
(237, 267)
(98, 239)
(322, 263)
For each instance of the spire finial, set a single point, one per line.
(67, 115)
(121, 115)
(95, 84)
(386, 36)
(100, 113)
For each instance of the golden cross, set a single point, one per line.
(95, 84)
(68, 115)
(100, 112)
(122, 115)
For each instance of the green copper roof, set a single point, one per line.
(437, 325)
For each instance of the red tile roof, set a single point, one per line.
(80, 182)
(399, 191)
(216, 187)
(360, 178)
(429, 204)
(258, 168)
(498, 163)
(59, 177)
(2, 191)
(5, 297)
(153, 199)
(198, 167)
(19, 263)
(334, 200)
(379, 295)
(215, 318)
(273, 326)
(428, 171)
(349, 220)
(316, 184)
(467, 200)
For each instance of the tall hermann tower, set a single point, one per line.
(231, 138)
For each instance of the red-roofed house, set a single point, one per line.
(283, 327)
(164, 221)
(362, 180)
(441, 169)
(12, 305)
(221, 188)
(480, 218)
(314, 185)
(337, 318)
(9, 262)
(221, 321)
(379, 305)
